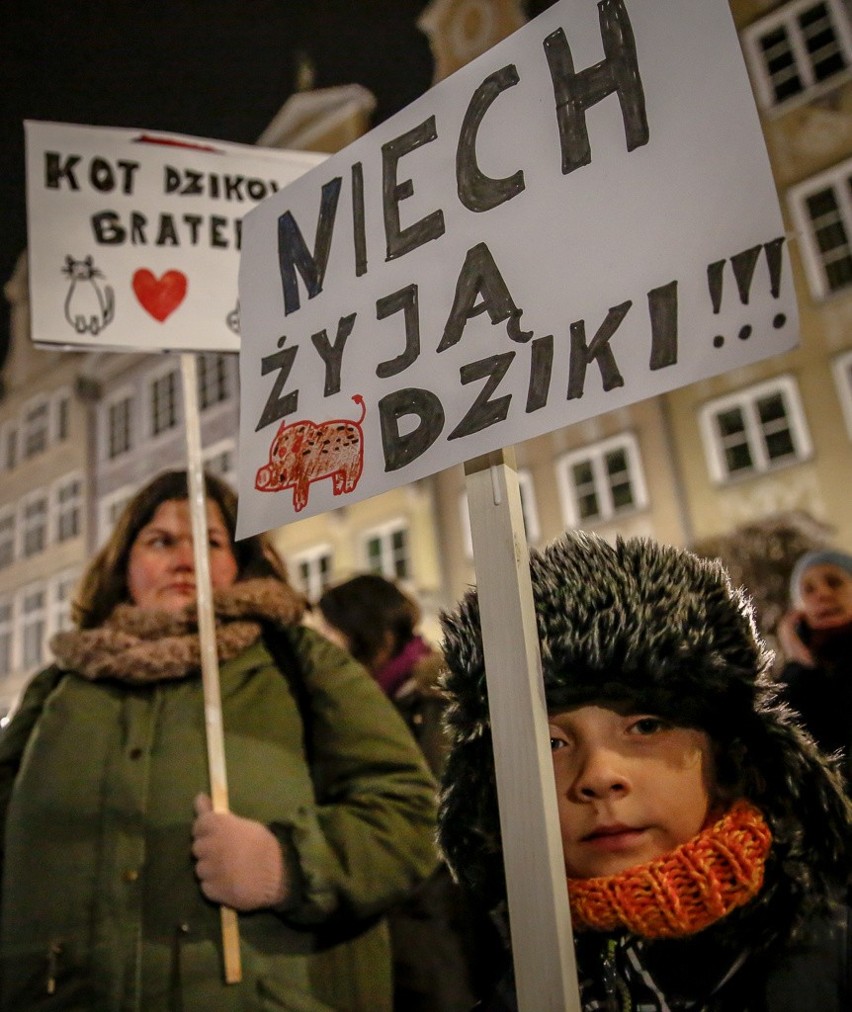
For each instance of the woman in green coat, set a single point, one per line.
(114, 864)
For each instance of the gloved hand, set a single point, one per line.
(239, 862)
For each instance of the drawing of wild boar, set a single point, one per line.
(303, 452)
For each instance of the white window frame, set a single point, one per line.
(153, 378)
(26, 526)
(746, 400)
(60, 510)
(124, 396)
(842, 369)
(529, 508)
(595, 454)
(220, 449)
(7, 634)
(35, 425)
(787, 15)
(316, 580)
(37, 616)
(384, 533)
(839, 180)
(9, 540)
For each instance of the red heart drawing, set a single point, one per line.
(159, 296)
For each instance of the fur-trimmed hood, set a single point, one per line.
(664, 628)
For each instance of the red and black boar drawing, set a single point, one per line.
(303, 452)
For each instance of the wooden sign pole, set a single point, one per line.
(207, 636)
(539, 916)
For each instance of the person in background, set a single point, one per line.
(438, 951)
(114, 864)
(816, 637)
(378, 624)
(705, 837)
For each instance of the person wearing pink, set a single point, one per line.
(439, 952)
(816, 636)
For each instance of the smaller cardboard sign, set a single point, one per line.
(135, 235)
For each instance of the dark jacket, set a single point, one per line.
(620, 973)
(100, 906)
(421, 702)
(822, 695)
(441, 948)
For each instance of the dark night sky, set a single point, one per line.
(217, 69)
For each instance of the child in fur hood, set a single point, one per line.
(705, 837)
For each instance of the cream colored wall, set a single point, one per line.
(30, 372)
(343, 529)
(662, 518)
(801, 143)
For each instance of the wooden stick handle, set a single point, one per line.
(540, 919)
(207, 637)
(231, 946)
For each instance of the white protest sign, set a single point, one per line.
(134, 235)
(583, 217)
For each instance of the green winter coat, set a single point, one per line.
(100, 906)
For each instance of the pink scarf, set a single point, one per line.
(391, 676)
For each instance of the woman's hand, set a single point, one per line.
(791, 642)
(239, 862)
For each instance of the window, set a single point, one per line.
(7, 538)
(213, 380)
(119, 425)
(34, 525)
(842, 367)
(33, 626)
(528, 508)
(798, 51)
(35, 429)
(386, 551)
(61, 593)
(69, 496)
(7, 630)
(110, 510)
(164, 402)
(602, 481)
(755, 430)
(220, 459)
(822, 210)
(313, 570)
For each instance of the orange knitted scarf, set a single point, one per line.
(683, 891)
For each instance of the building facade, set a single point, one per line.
(80, 432)
(43, 497)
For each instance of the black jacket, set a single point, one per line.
(623, 973)
(823, 697)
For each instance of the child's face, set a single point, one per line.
(630, 787)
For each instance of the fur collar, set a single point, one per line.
(147, 645)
